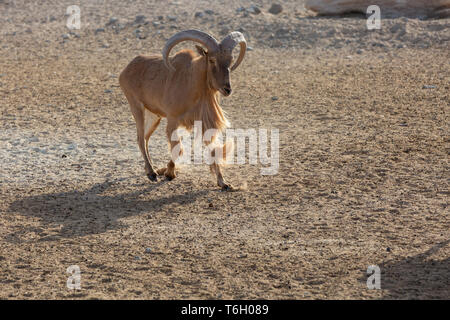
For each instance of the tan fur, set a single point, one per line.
(183, 96)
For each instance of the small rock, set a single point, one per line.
(160, 18)
(108, 91)
(112, 20)
(139, 19)
(274, 98)
(254, 9)
(156, 23)
(172, 18)
(43, 151)
(429, 87)
(137, 258)
(276, 8)
(211, 205)
(99, 30)
(241, 9)
(199, 14)
(208, 11)
(249, 48)
(65, 36)
(148, 250)
(359, 51)
(388, 249)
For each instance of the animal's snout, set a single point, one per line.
(227, 89)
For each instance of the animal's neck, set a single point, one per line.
(211, 113)
(209, 110)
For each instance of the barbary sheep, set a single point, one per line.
(184, 89)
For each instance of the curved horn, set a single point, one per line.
(194, 35)
(231, 41)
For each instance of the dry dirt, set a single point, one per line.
(364, 148)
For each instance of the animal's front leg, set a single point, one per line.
(217, 169)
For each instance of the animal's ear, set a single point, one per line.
(201, 51)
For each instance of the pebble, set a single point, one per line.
(254, 9)
(139, 19)
(429, 87)
(359, 51)
(108, 91)
(274, 98)
(99, 30)
(148, 250)
(112, 20)
(65, 36)
(199, 14)
(208, 11)
(276, 8)
(172, 18)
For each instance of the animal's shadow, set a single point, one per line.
(83, 212)
(416, 277)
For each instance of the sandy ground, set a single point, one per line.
(364, 148)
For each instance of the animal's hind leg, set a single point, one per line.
(151, 122)
(138, 111)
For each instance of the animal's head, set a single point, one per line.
(218, 56)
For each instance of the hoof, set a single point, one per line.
(152, 176)
(170, 177)
(227, 187)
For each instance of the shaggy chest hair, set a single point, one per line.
(209, 112)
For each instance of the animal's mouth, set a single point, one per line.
(225, 91)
